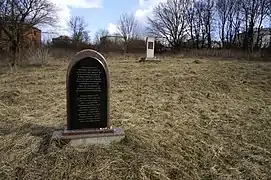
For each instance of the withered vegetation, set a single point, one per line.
(183, 120)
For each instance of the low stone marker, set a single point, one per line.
(88, 85)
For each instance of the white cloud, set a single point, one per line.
(64, 12)
(112, 28)
(141, 14)
(146, 8)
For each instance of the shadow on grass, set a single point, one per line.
(46, 132)
(43, 132)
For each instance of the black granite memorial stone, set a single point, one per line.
(87, 92)
(88, 86)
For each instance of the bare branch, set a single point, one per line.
(128, 26)
(169, 21)
(77, 26)
(102, 33)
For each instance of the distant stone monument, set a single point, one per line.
(88, 86)
(150, 45)
(150, 48)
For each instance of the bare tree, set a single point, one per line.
(196, 22)
(169, 21)
(253, 13)
(208, 18)
(86, 37)
(101, 33)
(269, 16)
(127, 27)
(77, 26)
(18, 17)
(191, 22)
(240, 22)
(101, 39)
(263, 11)
(234, 22)
(224, 8)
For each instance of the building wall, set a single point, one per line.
(31, 39)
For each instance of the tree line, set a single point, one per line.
(183, 23)
(237, 23)
(202, 24)
(127, 31)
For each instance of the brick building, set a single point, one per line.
(32, 38)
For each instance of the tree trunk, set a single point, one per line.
(223, 35)
(203, 41)
(13, 49)
(192, 36)
(259, 39)
(125, 48)
(176, 47)
(250, 36)
(197, 42)
(209, 38)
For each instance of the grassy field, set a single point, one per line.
(209, 119)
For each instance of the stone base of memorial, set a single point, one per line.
(146, 59)
(152, 59)
(90, 136)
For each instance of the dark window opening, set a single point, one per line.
(150, 45)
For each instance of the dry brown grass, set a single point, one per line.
(233, 54)
(183, 120)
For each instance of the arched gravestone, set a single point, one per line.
(87, 92)
(88, 102)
